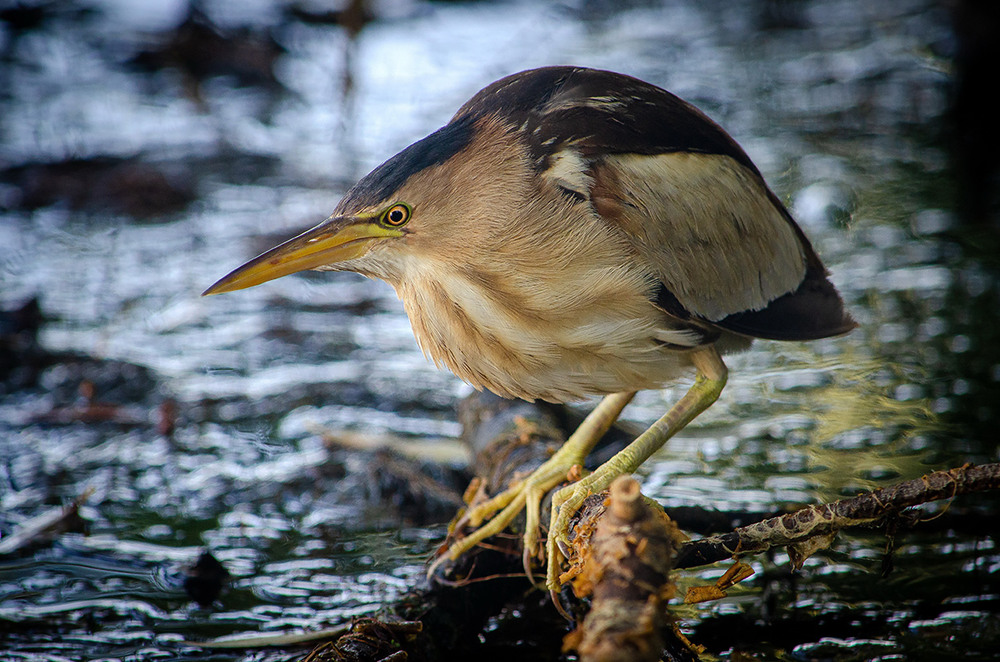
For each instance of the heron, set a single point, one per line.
(571, 233)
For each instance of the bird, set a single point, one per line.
(569, 233)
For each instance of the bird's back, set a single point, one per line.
(727, 253)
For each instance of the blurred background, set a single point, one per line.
(148, 148)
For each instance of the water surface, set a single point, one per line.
(842, 106)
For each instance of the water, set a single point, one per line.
(840, 104)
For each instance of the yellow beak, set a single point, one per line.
(337, 239)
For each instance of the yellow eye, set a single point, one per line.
(396, 215)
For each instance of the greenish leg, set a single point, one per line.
(527, 494)
(708, 384)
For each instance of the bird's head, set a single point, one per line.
(408, 206)
(339, 242)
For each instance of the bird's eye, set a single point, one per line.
(396, 215)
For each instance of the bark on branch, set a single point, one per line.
(624, 567)
(825, 519)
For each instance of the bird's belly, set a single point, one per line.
(557, 358)
(565, 374)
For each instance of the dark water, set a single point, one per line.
(161, 177)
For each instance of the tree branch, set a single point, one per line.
(825, 519)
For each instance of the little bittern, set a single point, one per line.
(573, 232)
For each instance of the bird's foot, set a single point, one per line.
(494, 515)
(527, 494)
(565, 503)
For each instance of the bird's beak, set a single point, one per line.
(337, 239)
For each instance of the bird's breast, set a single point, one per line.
(587, 330)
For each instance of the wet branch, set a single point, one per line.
(821, 521)
(624, 568)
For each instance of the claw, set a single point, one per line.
(563, 545)
(526, 563)
(557, 603)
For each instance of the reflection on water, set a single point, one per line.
(202, 423)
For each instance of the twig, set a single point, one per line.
(45, 527)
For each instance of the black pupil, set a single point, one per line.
(396, 216)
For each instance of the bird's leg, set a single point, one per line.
(527, 493)
(708, 384)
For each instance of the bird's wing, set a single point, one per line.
(695, 207)
(706, 227)
(724, 248)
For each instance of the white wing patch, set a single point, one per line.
(568, 170)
